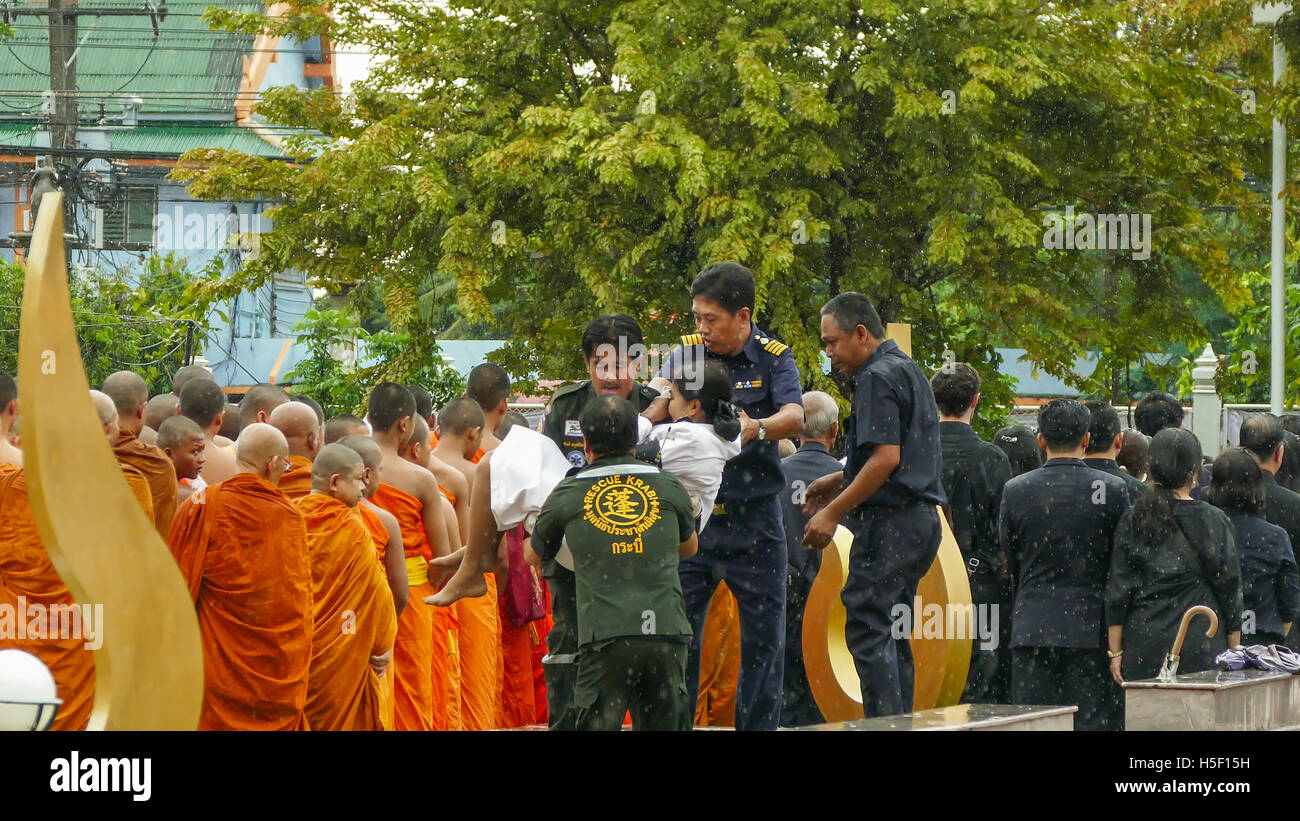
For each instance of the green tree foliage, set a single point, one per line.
(342, 388)
(571, 158)
(142, 327)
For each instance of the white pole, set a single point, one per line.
(1277, 334)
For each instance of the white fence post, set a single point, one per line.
(1206, 405)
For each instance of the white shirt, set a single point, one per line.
(526, 467)
(696, 455)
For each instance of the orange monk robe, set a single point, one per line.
(480, 659)
(296, 481)
(447, 667)
(413, 649)
(30, 590)
(158, 470)
(379, 537)
(242, 548)
(354, 617)
(719, 662)
(519, 707)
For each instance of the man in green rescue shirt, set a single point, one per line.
(625, 523)
(613, 348)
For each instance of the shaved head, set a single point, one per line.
(423, 401)
(366, 448)
(260, 401)
(344, 424)
(314, 405)
(419, 432)
(263, 450)
(160, 409)
(187, 374)
(104, 407)
(230, 422)
(298, 423)
(128, 391)
(202, 401)
(334, 460)
(176, 431)
(389, 404)
(459, 415)
(8, 390)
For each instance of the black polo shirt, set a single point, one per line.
(893, 405)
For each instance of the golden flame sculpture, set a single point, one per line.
(941, 664)
(149, 668)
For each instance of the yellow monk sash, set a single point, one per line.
(417, 570)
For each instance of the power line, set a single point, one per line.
(214, 48)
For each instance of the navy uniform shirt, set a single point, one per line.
(763, 378)
(560, 423)
(893, 405)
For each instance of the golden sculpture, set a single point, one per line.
(941, 664)
(149, 669)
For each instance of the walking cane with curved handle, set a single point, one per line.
(1170, 668)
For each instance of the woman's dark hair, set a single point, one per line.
(709, 381)
(1174, 461)
(1236, 481)
(1021, 447)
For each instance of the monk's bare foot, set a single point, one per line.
(449, 562)
(466, 584)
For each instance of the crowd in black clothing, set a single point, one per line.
(1093, 541)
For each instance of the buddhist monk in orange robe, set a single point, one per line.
(9, 455)
(489, 385)
(30, 588)
(410, 493)
(205, 403)
(257, 404)
(241, 546)
(130, 396)
(184, 444)
(355, 623)
(389, 555)
(297, 421)
(719, 662)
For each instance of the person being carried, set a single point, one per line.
(627, 524)
(694, 448)
(354, 620)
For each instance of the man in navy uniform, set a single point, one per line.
(891, 492)
(974, 472)
(1057, 526)
(744, 541)
(811, 462)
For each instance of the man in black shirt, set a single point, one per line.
(974, 472)
(1057, 526)
(1105, 439)
(811, 462)
(1261, 435)
(891, 490)
(1157, 411)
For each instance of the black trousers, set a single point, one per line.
(559, 666)
(892, 550)
(989, 679)
(644, 676)
(1069, 675)
(798, 707)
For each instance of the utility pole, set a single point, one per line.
(63, 74)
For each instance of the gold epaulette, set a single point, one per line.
(693, 339)
(772, 346)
